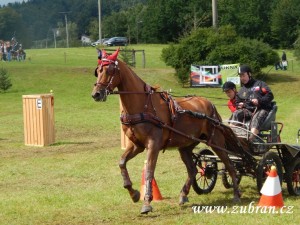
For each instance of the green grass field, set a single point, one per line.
(77, 180)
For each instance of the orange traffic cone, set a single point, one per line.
(271, 191)
(155, 190)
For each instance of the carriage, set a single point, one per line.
(155, 121)
(270, 151)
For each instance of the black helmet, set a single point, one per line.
(228, 86)
(244, 69)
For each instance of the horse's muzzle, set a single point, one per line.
(100, 96)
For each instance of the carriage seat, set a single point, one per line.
(270, 118)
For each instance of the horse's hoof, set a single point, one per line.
(146, 209)
(135, 196)
(183, 199)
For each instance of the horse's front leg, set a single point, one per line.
(152, 156)
(130, 152)
(186, 155)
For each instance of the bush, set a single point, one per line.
(208, 46)
(5, 82)
(297, 48)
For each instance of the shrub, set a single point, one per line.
(5, 82)
(297, 48)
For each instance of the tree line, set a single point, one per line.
(275, 22)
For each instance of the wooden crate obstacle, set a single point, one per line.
(38, 114)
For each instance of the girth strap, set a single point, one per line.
(133, 119)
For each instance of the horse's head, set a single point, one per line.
(108, 76)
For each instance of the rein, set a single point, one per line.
(135, 92)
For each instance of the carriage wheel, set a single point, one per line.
(207, 174)
(293, 178)
(227, 181)
(263, 169)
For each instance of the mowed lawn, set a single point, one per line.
(77, 180)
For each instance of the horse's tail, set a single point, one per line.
(216, 114)
(231, 142)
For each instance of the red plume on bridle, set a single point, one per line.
(108, 59)
(104, 59)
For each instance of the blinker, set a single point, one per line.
(96, 74)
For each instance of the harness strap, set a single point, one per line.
(174, 108)
(133, 119)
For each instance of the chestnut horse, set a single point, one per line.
(152, 120)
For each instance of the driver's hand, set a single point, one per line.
(254, 101)
(240, 105)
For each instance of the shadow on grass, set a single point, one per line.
(71, 143)
(277, 78)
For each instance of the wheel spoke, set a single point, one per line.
(293, 177)
(206, 172)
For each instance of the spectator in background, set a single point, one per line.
(8, 51)
(21, 55)
(4, 52)
(278, 65)
(284, 61)
(1, 49)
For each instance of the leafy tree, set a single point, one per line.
(197, 14)
(297, 48)
(115, 25)
(250, 18)
(166, 21)
(9, 21)
(285, 23)
(5, 82)
(93, 29)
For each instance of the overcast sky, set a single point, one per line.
(4, 2)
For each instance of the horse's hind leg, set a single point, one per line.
(186, 155)
(232, 172)
(130, 152)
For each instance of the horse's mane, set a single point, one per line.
(153, 88)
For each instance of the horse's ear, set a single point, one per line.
(114, 56)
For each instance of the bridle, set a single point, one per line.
(108, 89)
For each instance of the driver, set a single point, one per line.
(253, 100)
